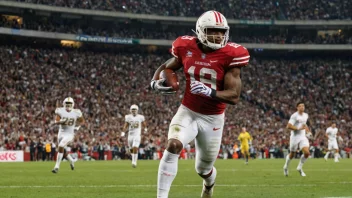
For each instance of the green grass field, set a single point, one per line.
(261, 178)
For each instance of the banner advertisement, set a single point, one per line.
(11, 156)
(102, 39)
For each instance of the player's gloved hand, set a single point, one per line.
(145, 130)
(122, 134)
(77, 128)
(159, 85)
(200, 89)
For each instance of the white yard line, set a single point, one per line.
(336, 197)
(249, 170)
(185, 185)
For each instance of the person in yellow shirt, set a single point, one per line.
(245, 138)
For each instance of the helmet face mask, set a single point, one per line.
(209, 23)
(69, 104)
(134, 109)
(215, 35)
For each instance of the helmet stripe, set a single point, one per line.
(219, 15)
(216, 17)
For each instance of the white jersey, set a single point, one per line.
(134, 124)
(298, 121)
(331, 132)
(72, 116)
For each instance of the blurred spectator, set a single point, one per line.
(146, 31)
(35, 81)
(250, 9)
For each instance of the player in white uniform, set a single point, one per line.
(67, 117)
(298, 126)
(133, 123)
(331, 134)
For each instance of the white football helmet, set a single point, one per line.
(212, 19)
(134, 109)
(68, 103)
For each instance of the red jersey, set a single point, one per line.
(208, 68)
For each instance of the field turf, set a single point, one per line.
(117, 179)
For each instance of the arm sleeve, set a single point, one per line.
(292, 120)
(179, 44)
(57, 112)
(79, 113)
(239, 56)
(126, 118)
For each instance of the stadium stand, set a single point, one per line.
(105, 80)
(253, 9)
(104, 85)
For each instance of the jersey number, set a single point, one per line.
(134, 125)
(202, 73)
(69, 121)
(188, 37)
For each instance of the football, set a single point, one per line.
(171, 78)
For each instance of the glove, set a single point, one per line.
(122, 134)
(145, 130)
(200, 89)
(77, 128)
(158, 85)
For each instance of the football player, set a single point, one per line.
(67, 118)
(245, 138)
(133, 123)
(212, 68)
(331, 134)
(298, 126)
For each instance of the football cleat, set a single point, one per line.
(55, 170)
(301, 172)
(134, 165)
(207, 191)
(72, 166)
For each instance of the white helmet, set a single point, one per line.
(68, 103)
(134, 109)
(212, 19)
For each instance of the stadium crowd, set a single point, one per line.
(35, 81)
(143, 31)
(251, 9)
